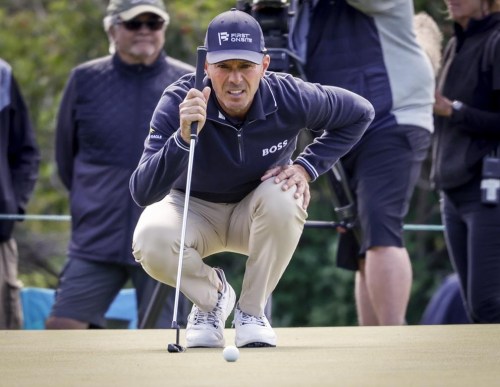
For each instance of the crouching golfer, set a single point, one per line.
(247, 195)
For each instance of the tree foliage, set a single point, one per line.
(44, 39)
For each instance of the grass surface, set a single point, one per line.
(459, 355)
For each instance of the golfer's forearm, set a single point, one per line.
(156, 174)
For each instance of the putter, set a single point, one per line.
(200, 67)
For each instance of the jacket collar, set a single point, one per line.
(136, 69)
(476, 26)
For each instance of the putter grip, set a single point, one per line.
(201, 54)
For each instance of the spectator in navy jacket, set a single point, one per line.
(103, 121)
(19, 160)
(247, 193)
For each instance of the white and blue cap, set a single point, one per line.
(233, 35)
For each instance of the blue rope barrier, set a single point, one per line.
(309, 223)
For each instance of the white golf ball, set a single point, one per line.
(231, 353)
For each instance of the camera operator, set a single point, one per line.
(370, 48)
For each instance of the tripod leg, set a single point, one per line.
(342, 199)
(158, 299)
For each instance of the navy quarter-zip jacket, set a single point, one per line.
(229, 161)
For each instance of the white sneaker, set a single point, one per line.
(252, 331)
(207, 329)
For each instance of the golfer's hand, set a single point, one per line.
(193, 108)
(292, 176)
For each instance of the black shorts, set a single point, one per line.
(382, 171)
(87, 289)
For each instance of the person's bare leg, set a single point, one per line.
(366, 314)
(383, 287)
(65, 323)
(388, 275)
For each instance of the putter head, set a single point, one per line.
(175, 348)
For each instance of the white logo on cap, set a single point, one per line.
(223, 37)
(234, 37)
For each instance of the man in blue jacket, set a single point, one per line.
(247, 194)
(370, 48)
(19, 160)
(103, 121)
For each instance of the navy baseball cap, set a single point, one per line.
(232, 35)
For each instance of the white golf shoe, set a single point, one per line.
(206, 329)
(252, 331)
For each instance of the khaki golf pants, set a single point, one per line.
(266, 225)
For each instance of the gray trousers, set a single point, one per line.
(266, 226)
(10, 287)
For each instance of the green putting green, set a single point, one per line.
(439, 355)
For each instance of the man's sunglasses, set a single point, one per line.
(136, 25)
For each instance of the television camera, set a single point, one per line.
(274, 18)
